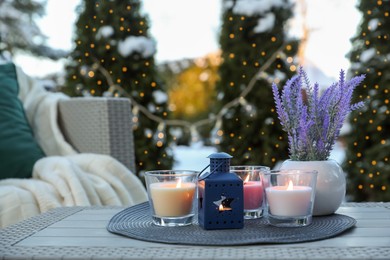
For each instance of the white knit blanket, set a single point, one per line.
(64, 177)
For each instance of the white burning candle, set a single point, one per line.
(172, 199)
(289, 201)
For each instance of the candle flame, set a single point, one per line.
(223, 208)
(178, 184)
(290, 185)
(246, 179)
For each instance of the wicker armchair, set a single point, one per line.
(99, 125)
(54, 150)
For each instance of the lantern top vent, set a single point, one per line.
(220, 162)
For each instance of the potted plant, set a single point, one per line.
(313, 122)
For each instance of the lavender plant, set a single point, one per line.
(313, 121)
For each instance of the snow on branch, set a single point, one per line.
(265, 24)
(141, 44)
(105, 32)
(256, 7)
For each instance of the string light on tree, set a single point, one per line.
(216, 119)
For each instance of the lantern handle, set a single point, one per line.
(203, 170)
(209, 173)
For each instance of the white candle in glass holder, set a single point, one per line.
(289, 201)
(172, 199)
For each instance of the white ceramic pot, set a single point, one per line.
(331, 184)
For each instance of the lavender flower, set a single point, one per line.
(313, 125)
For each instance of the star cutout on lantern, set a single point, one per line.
(224, 203)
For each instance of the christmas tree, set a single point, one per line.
(112, 36)
(367, 162)
(252, 32)
(19, 31)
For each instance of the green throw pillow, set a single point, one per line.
(18, 148)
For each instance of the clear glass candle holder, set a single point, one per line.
(171, 196)
(290, 197)
(252, 177)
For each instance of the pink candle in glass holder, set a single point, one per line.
(252, 176)
(253, 194)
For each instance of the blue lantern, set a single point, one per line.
(220, 195)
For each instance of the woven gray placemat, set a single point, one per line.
(135, 222)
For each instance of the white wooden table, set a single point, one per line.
(80, 233)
